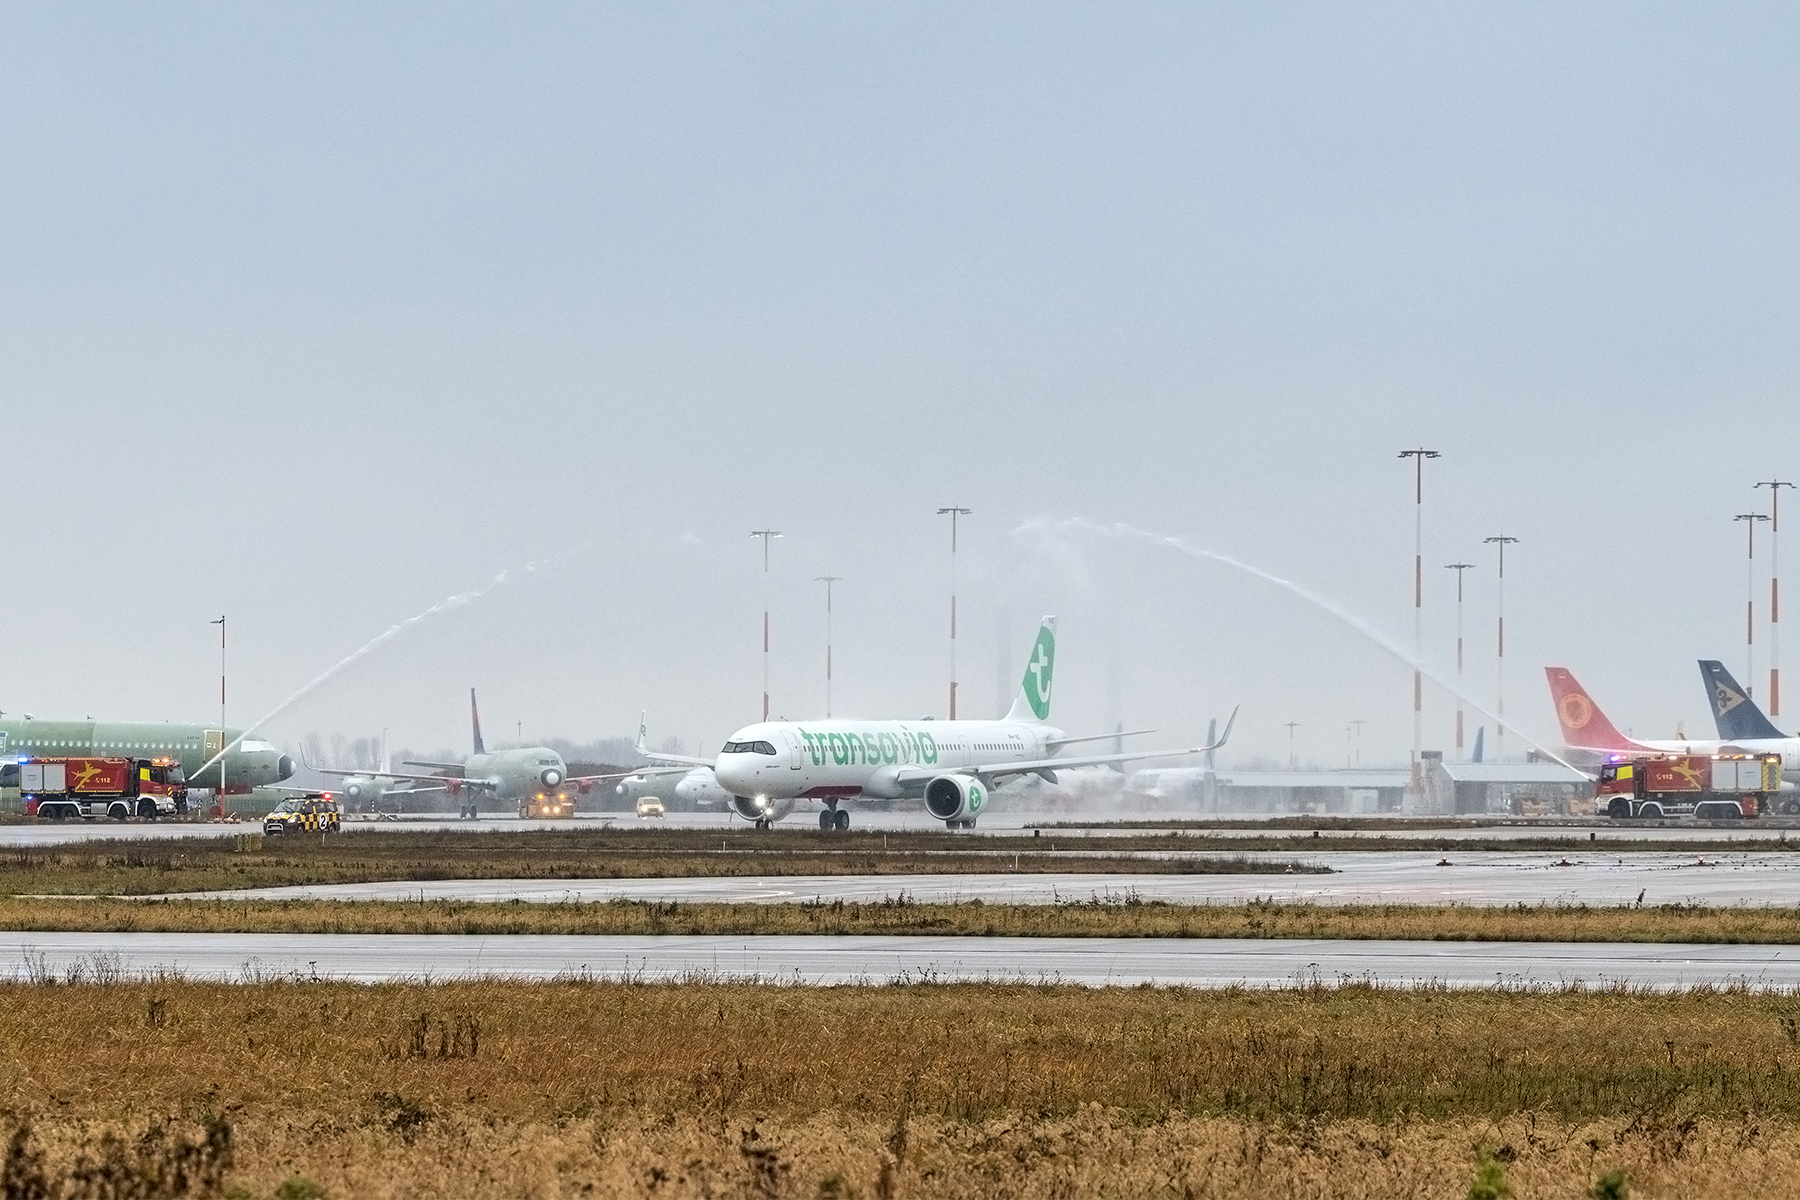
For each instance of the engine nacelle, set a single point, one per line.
(353, 788)
(955, 797)
(752, 808)
(550, 777)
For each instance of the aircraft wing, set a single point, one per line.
(1059, 743)
(440, 780)
(595, 778)
(1047, 767)
(411, 762)
(686, 760)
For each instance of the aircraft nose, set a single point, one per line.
(284, 768)
(730, 777)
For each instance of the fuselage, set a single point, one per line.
(251, 762)
(527, 773)
(839, 759)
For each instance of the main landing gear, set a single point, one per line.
(834, 820)
(966, 824)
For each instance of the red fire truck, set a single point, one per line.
(120, 788)
(1716, 787)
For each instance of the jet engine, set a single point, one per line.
(762, 810)
(955, 799)
(550, 777)
(353, 788)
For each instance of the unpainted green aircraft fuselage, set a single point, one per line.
(250, 763)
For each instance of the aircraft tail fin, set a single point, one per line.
(643, 731)
(475, 723)
(1480, 744)
(1582, 722)
(1736, 714)
(1032, 704)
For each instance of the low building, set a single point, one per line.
(1527, 789)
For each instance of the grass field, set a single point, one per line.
(127, 867)
(1121, 915)
(569, 1089)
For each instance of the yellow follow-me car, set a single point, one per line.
(305, 814)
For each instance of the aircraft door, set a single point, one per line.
(796, 752)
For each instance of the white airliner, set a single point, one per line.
(951, 764)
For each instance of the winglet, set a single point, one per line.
(1223, 737)
(475, 723)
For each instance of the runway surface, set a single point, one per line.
(1360, 877)
(834, 960)
(54, 833)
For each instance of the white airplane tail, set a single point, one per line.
(1033, 701)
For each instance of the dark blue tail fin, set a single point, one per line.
(1736, 714)
(475, 723)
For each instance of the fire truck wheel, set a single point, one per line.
(146, 810)
(1619, 808)
(118, 811)
(1791, 808)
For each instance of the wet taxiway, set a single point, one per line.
(837, 960)
(1358, 877)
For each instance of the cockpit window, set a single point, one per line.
(746, 748)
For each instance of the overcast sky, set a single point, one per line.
(317, 315)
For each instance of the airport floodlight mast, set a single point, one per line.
(1292, 761)
(1750, 520)
(221, 624)
(1774, 486)
(1459, 568)
(767, 536)
(1357, 725)
(1501, 542)
(1416, 782)
(953, 514)
(828, 580)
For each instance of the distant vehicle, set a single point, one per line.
(317, 813)
(951, 765)
(1706, 786)
(534, 777)
(55, 789)
(649, 806)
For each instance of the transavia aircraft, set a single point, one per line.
(1585, 727)
(251, 761)
(534, 777)
(951, 764)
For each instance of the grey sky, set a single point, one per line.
(318, 315)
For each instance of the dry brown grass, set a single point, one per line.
(1121, 915)
(503, 1088)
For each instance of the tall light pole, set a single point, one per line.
(1417, 783)
(767, 536)
(1750, 520)
(828, 580)
(1291, 726)
(1357, 725)
(1459, 568)
(222, 741)
(1774, 486)
(953, 514)
(1501, 541)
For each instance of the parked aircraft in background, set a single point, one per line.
(1585, 727)
(533, 777)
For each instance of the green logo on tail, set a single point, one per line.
(1038, 674)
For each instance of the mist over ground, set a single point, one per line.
(317, 316)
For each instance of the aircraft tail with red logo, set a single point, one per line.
(1584, 726)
